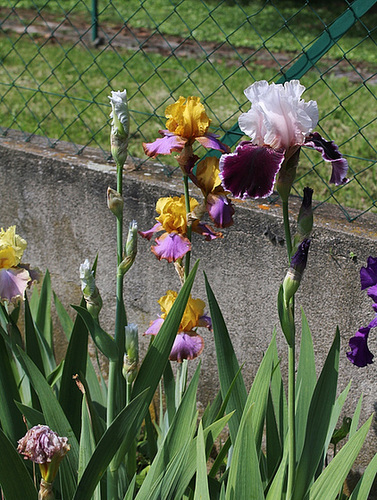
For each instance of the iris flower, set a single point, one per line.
(360, 354)
(188, 344)
(14, 276)
(173, 244)
(187, 122)
(278, 124)
(216, 201)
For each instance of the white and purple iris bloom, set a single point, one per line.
(278, 124)
(360, 354)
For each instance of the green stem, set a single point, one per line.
(291, 421)
(287, 229)
(188, 232)
(291, 374)
(116, 385)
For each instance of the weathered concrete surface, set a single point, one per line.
(58, 202)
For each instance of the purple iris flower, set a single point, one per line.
(278, 123)
(360, 354)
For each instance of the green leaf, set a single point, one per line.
(356, 417)
(15, 479)
(43, 317)
(275, 491)
(244, 475)
(201, 484)
(64, 318)
(105, 343)
(131, 489)
(54, 377)
(157, 355)
(227, 363)
(319, 416)
(32, 347)
(33, 416)
(76, 360)
(365, 483)
(176, 436)
(124, 428)
(87, 444)
(305, 383)
(56, 420)
(332, 478)
(258, 395)
(10, 418)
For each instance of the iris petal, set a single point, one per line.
(330, 152)
(150, 232)
(171, 246)
(13, 283)
(368, 275)
(164, 145)
(360, 354)
(220, 209)
(210, 141)
(187, 345)
(251, 170)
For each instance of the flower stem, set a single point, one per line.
(116, 386)
(291, 373)
(188, 232)
(287, 229)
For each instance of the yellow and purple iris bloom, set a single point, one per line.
(173, 244)
(216, 201)
(278, 123)
(14, 276)
(188, 343)
(187, 122)
(360, 354)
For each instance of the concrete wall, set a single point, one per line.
(58, 202)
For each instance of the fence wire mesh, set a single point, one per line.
(61, 59)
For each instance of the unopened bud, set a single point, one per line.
(130, 249)
(89, 289)
(131, 357)
(305, 215)
(120, 126)
(293, 277)
(115, 202)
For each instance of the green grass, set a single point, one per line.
(60, 90)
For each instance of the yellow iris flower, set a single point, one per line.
(172, 212)
(194, 310)
(12, 248)
(187, 118)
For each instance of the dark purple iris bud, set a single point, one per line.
(305, 216)
(294, 275)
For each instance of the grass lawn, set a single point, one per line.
(59, 88)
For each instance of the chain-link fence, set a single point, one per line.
(61, 59)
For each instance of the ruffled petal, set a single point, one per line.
(187, 345)
(330, 152)
(220, 209)
(154, 327)
(13, 283)
(368, 275)
(171, 246)
(211, 141)
(250, 171)
(164, 145)
(359, 354)
(150, 232)
(372, 292)
(205, 322)
(206, 231)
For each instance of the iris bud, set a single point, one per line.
(114, 202)
(120, 126)
(131, 357)
(89, 289)
(130, 249)
(293, 277)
